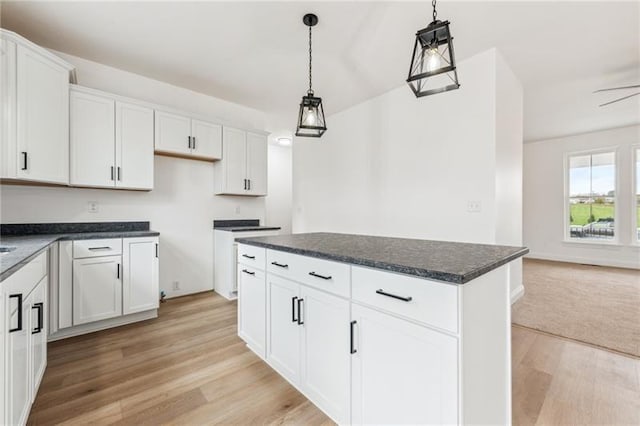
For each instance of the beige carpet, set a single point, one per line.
(592, 304)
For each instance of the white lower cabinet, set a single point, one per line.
(140, 285)
(24, 337)
(97, 289)
(402, 373)
(326, 359)
(252, 308)
(283, 327)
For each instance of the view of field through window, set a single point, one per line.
(592, 192)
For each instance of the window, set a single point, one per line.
(637, 195)
(592, 196)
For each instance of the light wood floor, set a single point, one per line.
(189, 367)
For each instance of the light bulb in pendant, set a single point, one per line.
(433, 59)
(310, 117)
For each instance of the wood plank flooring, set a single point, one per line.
(189, 367)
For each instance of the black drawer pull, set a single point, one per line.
(24, 161)
(293, 309)
(193, 142)
(395, 296)
(352, 349)
(248, 272)
(40, 307)
(248, 257)
(19, 327)
(300, 321)
(118, 272)
(99, 248)
(324, 277)
(189, 141)
(280, 265)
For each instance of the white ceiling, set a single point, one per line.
(255, 53)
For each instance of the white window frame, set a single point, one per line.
(615, 241)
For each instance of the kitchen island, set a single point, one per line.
(377, 330)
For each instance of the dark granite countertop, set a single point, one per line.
(452, 262)
(30, 243)
(242, 225)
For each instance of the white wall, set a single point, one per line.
(544, 206)
(400, 166)
(181, 206)
(278, 203)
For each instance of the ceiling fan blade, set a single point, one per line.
(619, 99)
(635, 86)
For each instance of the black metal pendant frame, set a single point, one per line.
(435, 35)
(306, 130)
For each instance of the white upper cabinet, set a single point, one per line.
(134, 146)
(35, 116)
(187, 137)
(243, 169)
(206, 140)
(173, 133)
(92, 134)
(111, 141)
(257, 163)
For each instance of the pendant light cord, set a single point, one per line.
(310, 90)
(435, 14)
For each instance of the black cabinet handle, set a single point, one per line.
(249, 184)
(300, 312)
(156, 249)
(293, 309)
(118, 271)
(248, 257)
(280, 265)
(248, 272)
(112, 174)
(352, 349)
(119, 173)
(24, 160)
(40, 307)
(189, 141)
(99, 248)
(245, 184)
(19, 327)
(395, 296)
(324, 277)
(193, 142)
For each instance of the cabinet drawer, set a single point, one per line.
(251, 256)
(95, 248)
(319, 273)
(422, 300)
(25, 280)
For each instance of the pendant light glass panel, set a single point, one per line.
(311, 117)
(433, 66)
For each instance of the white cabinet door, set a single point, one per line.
(206, 140)
(97, 289)
(252, 305)
(8, 147)
(17, 365)
(172, 133)
(257, 164)
(92, 159)
(134, 146)
(283, 328)
(43, 118)
(38, 329)
(402, 373)
(140, 285)
(234, 151)
(326, 358)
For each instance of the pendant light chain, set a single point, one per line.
(435, 14)
(310, 90)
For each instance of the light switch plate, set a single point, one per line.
(474, 206)
(93, 207)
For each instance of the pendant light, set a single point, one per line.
(311, 116)
(433, 64)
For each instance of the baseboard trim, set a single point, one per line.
(583, 260)
(102, 325)
(517, 294)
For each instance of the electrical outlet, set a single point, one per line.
(176, 286)
(93, 207)
(237, 209)
(474, 206)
